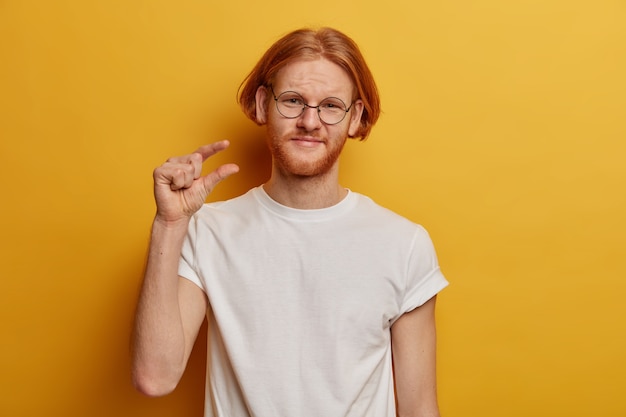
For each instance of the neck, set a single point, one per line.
(305, 192)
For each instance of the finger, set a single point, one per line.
(200, 155)
(211, 149)
(193, 161)
(177, 176)
(192, 164)
(222, 172)
(182, 177)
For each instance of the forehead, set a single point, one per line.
(319, 77)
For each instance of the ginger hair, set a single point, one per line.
(310, 44)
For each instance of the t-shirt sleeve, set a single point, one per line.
(187, 262)
(424, 277)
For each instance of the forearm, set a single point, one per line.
(166, 327)
(159, 338)
(416, 388)
(414, 354)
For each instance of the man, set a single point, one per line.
(320, 302)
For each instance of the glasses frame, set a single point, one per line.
(305, 105)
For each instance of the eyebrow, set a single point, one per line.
(307, 100)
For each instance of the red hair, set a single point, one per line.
(325, 43)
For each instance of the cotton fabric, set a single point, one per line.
(302, 302)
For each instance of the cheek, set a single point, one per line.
(348, 130)
(275, 128)
(278, 124)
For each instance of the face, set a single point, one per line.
(306, 146)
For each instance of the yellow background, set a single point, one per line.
(503, 133)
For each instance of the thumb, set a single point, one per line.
(213, 178)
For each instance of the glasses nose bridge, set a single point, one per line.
(308, 106)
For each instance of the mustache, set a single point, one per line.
(313, 134)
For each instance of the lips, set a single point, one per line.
(307, 141)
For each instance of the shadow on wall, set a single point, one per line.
(254, 160)
(248, 149)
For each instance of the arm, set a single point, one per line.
(169, 314)
(171, 309)
(413, 339)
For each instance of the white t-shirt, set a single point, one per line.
(302, 302)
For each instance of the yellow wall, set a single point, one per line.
(503, 133)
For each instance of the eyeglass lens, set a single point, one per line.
(331, 110)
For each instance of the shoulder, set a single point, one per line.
(219, 214)
(240, 202)
(367, 207)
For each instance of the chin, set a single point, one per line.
(305, 169)
(294, 161)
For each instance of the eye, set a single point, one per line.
(291, 100)
(332, 105)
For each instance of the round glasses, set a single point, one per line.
(291, 105)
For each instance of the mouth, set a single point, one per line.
(307, 141)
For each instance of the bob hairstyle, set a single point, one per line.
(309, 44)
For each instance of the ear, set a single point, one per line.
(355, 118)
(261, 105)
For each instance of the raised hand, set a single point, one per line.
(179, 188)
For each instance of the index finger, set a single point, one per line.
(212, 148)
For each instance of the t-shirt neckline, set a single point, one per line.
(304, 214)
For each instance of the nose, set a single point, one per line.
(309, 119)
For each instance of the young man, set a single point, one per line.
(319, 301)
